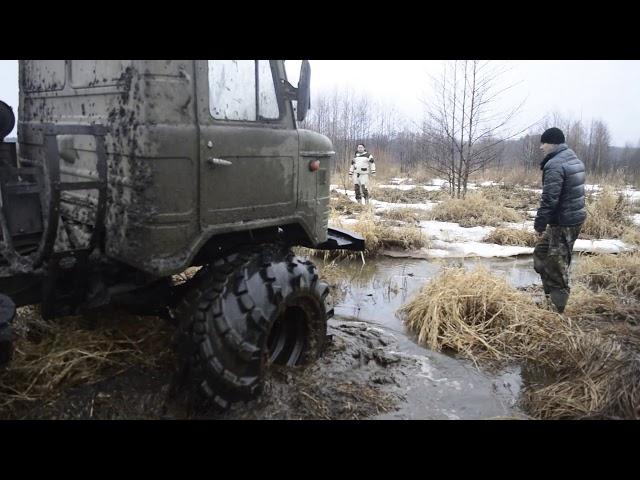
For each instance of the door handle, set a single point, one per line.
(218, 161)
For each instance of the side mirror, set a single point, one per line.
(304, 91)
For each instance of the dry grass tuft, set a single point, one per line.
(379, 237)
(406, 215)
(512, 175)
(414, 195)
(631, 236)
(577, 373)
(512, 236)
(595, 378)
(341, 204)
(473, 211)
(607, 215)
(480, 316)
(616, 274)
(512, 197)
(72, 351)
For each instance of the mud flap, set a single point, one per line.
(339, 239)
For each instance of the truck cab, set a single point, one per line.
(129, 171)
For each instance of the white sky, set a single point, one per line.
(608, 90)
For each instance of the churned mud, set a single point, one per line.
(113, 365)
(366, 372)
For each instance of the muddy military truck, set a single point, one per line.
(127, 172)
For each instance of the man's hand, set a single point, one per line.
(539, 235)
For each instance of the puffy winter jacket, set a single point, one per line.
(563, 178)
(363, 163)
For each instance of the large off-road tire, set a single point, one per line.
(7, 313)
(245, 311)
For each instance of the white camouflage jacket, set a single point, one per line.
(362, 163)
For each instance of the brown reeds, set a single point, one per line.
(512, 236)
(578, 371)
(74, 351)
(474, 210)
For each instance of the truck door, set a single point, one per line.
(248, 142)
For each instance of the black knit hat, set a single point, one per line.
(552, 135)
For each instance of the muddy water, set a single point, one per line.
(374, 291)
(371, 368)
(440, 387)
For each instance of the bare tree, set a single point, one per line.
(530, 151)
(600, 146)
(464, 113)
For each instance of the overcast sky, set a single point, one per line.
(607, 90)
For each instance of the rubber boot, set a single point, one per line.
(559, 299)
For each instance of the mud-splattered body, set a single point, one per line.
(164, 201)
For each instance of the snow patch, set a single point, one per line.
(632, 194)
(442, 249)
(383, 206)
(398, 180)
(439, 182)
(398, 187)
(453, 232)
(601, 246)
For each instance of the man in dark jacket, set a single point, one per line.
(560, 216)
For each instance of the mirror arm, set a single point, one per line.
(290, 92)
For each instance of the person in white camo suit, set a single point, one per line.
(362, 165)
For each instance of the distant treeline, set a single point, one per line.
(347, 118)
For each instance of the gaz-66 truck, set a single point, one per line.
(127, 172)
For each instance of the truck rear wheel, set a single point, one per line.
(246, 311)
(7, 313)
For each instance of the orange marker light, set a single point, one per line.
(314, 165)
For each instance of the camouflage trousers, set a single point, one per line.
(361, 188)
(552, 259)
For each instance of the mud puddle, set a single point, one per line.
(442, 386)
(373, 291)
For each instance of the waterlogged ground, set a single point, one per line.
(371, 369)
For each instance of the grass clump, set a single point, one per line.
(73, 351)
(479, 316)
(474, 210)
(517, 176)
(341, 204)
(615, 274)
(512, 236)
(594, 377)
(405, 215)
(607, 215)
(512, 197)
(377, 234)
(379, 237)
(416, 194)
(573, 372)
